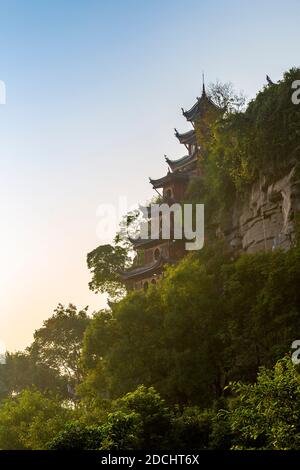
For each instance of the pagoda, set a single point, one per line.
(153, 254)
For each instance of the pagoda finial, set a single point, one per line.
(203, 85)
(167, 159)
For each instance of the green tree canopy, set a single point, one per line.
(30, 420)
(266, 414)
(106, 263)
(58, 343)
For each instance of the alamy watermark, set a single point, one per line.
(154, 222)
(296, 93)
(2, 353)
(296, 354)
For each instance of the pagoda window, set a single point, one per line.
(156, 254)
(169, 193)
(146, 285)
(153, 281)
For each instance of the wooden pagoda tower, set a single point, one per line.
(153, 255)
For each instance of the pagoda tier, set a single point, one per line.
(147, 243)
(187, 138)
(200, 108)
(144, 271)
(142, 243)
(151, 261)
(183, 163)
(170, 178)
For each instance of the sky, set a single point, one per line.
(93, 92)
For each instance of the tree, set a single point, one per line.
(154, 416)
(121, 431)
(30, 420)
(261, 299)
(58, 343)
(77, 436)
(191, 429)
(191, 324)
(99, 337)
(212, 319)
(266, 414)
(166, 337)
(106, 263)
(225, 97)
(21, 371)
(125, 350)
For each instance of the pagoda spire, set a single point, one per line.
(203, 85)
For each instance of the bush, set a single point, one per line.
(77, 436)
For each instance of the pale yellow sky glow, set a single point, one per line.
(38, 270)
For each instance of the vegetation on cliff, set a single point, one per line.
(243, 144)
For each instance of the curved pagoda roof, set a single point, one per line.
(142, 242)
(142, 271)
(169, 178)
(181, 163)
(200, 107)
(186, 138)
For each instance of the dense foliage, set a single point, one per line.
(160, 368)
(266, 414)
(263, 139)
(212, 320)
(106, 263)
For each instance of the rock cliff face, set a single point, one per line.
(265, 219)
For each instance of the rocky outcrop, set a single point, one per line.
(265, 219)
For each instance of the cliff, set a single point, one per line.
(265, 219)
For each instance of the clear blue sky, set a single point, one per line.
(94, 90)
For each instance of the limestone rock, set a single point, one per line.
(265, 220)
